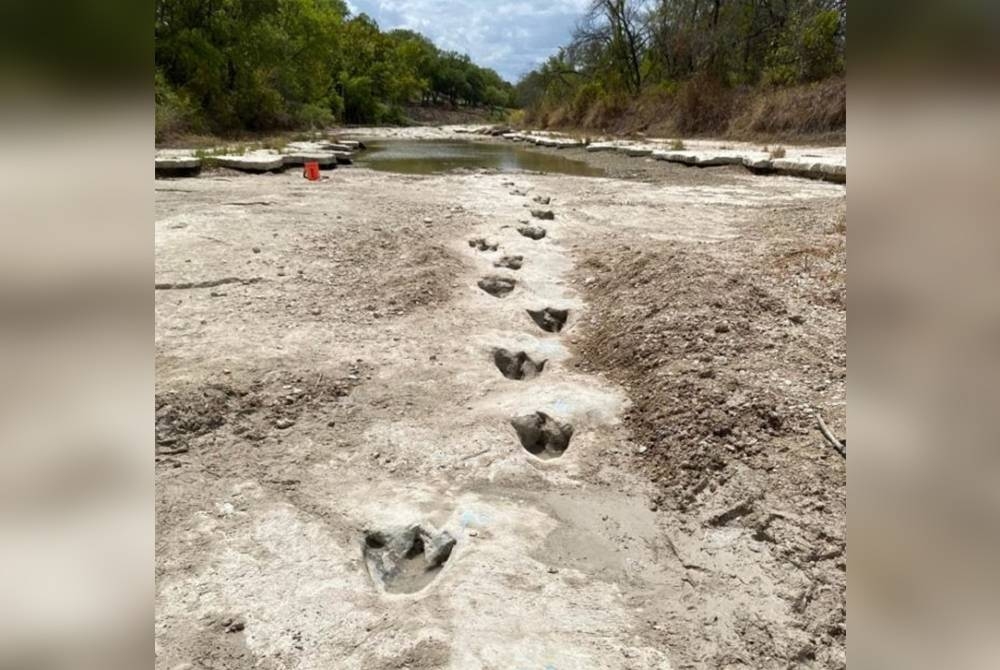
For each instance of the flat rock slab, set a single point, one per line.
(255, 163)
(344, 157)
(763, 165)
(699, 158)
(336, 146)
(178, 162)
(758, 163)
(637, 152)
(326, 159)
(177, 166)
(594, 147)
(825, 171)
(300, 147)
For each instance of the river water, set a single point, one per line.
(437, 156)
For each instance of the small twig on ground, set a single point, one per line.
(839, 445)
(168, 286)
(477, 454)
(215, 239)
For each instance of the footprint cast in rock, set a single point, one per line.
(550, 320)
(544, 214)
(542, 436)
(542, 200)
(481, 244)
(498, 287)
(406, 560)
(510, 262)
(518, 366)
(532, 232)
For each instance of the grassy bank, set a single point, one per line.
(815, 113)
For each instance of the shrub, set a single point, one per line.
(175, 112)
(313, 116)
(586, 97)
(704, 106)
(818, 51)
(517, 117)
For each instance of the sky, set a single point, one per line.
(510, 36)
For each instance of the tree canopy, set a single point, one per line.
(623, 48)
(226, 65)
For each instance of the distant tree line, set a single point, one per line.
(258, 65)
(625, 49)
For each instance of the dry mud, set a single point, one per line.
(341, 477)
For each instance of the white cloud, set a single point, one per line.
(510, 37)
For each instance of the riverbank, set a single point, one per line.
(806, 114)
(811, 162)
(331, 372)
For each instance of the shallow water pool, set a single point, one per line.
(437, 156)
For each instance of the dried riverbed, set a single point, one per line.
(370, 454)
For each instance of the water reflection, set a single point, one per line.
(437, 156)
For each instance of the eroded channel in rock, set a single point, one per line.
(550, 320)
(518, 366)
(541, 435)
(406, 560)
(498, 287)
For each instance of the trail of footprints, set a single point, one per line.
(541, 435)
(406, 560)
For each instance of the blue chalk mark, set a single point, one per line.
(470, 518)
(562, 406)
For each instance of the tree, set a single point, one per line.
(611, 32)
(623, 48)
(227, 65)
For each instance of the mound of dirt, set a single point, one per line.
(727, 357)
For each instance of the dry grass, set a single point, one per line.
(812, 113)
(811, 110)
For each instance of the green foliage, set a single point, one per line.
(230, 65)
(820, 47)
(175, 113)
(313, 116)
(586, 96)
(690, 51)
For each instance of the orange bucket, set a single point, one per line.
(311, 171)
